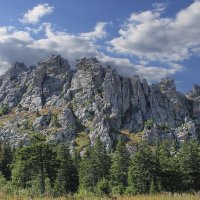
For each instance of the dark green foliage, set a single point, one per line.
(169, 167)
(4, 109)
(67, 174)
(33, 161)
(143, 171)
(6, 156)
(189, 159)
(164, 127)
(27, 124)
(54, 120)
(94, 166)
(148, 124)
(119, 168)
(103, 187)
(44, 168)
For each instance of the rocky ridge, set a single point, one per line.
(78, 105)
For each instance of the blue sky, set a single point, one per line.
(155, 39)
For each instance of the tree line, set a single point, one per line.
(45, 168)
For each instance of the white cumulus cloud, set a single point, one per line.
(20, 45)
(148, 35)
(148, 44)
(98, 33)
(34, 15)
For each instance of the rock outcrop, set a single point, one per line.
(60, 102)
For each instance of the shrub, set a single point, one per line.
(118, 189)
(148, 124)
(4, 109)
(54, 120)
(164, 127)
(103, 187)
(27, 124)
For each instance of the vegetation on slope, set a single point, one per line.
(43, 169)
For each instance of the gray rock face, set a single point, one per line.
(99, 99)
(42, 122)
(185, 132)
(12, 84)
(67, 120)
(194, 104)
(45, 83)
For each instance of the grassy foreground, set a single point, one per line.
(91, 197)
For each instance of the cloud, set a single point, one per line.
(159, 6)
(98, 33)
(20, 45)
(151, 73)
(149, 36)
(34, 15)
(148, 44)
(69, 45)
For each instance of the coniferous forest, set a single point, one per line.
(47, 169)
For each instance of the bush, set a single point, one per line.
(164, 127)
(54, 120)
(4, 109)
(148, 124)
(6, 186)
(118, 189)
(103, 187)
(27, 124)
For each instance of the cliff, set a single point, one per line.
(78, 105)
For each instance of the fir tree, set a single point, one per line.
(142, 171)
(94, 166)
(119, 168)
(189, 158)
(67, 175)
(33, 161)
(169, 172)
(6, 157)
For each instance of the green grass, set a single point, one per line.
(134, 138)
(90, 196)
(82, 141)
(162, 197)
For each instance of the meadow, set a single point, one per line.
(165, 196)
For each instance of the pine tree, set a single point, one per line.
(22, 167)
(142, 171)
(169, 167)
(119, 168)
(33, 161)
(67, 175)
(189, 158)
(94, 166)
(6, 157)
(86, 171)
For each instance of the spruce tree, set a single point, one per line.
(189, 158)
(6, 157)
(169, 172)
(33, 162)
(94, 166)
(119, 168)
(142, 171)
(67, 175)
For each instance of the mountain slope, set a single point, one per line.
(79, 105)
